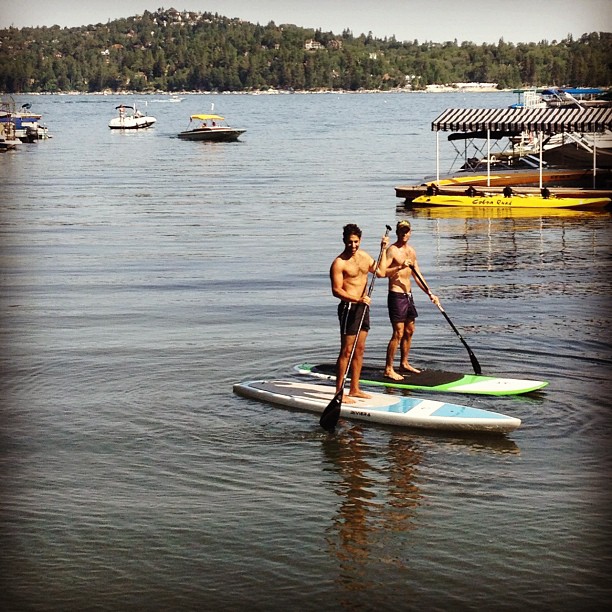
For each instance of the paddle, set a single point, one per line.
(331, 414)
(475, 364)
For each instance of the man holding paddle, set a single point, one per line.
(349, 276)
(401, 267)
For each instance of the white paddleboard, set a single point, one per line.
(380, 408)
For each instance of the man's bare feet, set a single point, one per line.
(392, 374)
(347, 399)
(360, 393)
(409, 368)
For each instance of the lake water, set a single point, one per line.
(142, 276)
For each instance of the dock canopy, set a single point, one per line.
(516, 120)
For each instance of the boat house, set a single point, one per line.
(493, 124)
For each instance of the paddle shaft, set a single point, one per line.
(475, 364)
(331, 414)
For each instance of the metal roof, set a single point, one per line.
(549, 120)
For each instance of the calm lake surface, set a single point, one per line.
(142, 276)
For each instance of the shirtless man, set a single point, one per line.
(402, 312)
(349, 277)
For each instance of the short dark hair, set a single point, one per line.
(350, 230)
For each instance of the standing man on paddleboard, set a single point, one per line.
(349, 277)
(402, 266)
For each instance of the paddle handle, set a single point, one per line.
(371, 287)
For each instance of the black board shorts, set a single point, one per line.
(349, 315)
(401, 307)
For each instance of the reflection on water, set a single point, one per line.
(533, 246)
(379, 498)
(378, 495)
(479, 212)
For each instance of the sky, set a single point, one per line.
(483, 21)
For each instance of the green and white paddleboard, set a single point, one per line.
(432, 380)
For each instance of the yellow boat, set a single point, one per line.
(513, 201)
(210, 129)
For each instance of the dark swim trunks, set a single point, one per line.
(349, 314)
(401, 307)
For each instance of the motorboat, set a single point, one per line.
(211, 128)
(8, 140)
(24, 124)
(568, 149)
(130, 118)
(576, 149)
(555, 97)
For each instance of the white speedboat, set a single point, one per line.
(130, 118)
(211, 128)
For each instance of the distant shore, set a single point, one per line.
(268, 92)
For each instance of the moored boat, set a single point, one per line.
(569, 181)
(130, 118)
(575, 150)
(23, 124)
(211, 128)
(568, 149)
(567, 184)
(561, 96)
(8, 140)
(511, 201)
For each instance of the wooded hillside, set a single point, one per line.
(174, 51)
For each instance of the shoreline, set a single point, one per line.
(269, 92)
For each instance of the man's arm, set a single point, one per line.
(337, 280)
(381, 271)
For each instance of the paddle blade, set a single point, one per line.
(475, 364)
(331, 414)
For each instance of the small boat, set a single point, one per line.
(24, 124)
(555, 97)
(8, 138)
(511, 201)
(569, 182)
(479, 188)
(575, 150)
(27, 126)
(208, 129)
(130, 118)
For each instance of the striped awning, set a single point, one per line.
(548, 120)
